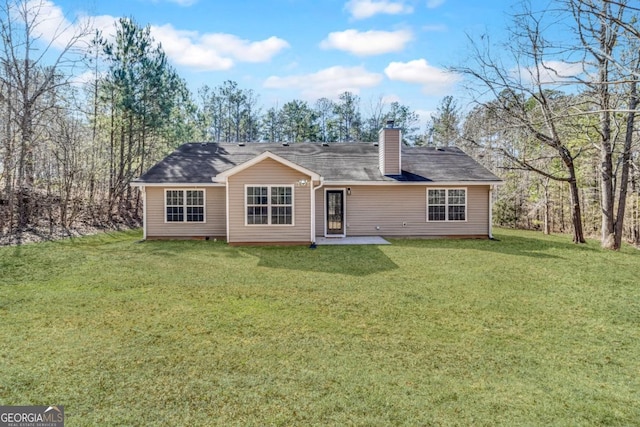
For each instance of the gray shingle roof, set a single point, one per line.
(199, 163)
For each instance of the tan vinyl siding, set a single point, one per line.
(214, 225)
(269, 172)
(389, 206)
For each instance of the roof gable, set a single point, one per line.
(221, 177)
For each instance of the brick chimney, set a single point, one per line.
(389, 150)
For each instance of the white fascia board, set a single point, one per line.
(176, 184)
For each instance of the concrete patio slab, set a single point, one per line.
(366, 240)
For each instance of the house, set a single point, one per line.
(278, 193)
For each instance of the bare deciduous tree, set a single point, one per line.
(610, 41)
(30, 80)
(523, 108)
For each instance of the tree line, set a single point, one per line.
(228, 113)
(559, 127)
(561, 123)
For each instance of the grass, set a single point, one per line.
(527, 330)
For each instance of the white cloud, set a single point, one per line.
(214, 51)
(104, 23)
(52, 25)
(244, 50)
(434, 80)
(184, 3)
(424, 116)
(432, 4)
(208, 51)
(85, 78)
(328, 83)
(388, 99)
(549, 72)
(56, 30)
(184, 49)
(362, 9)
(367, 43)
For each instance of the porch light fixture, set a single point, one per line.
(303, 182)
(348, 191)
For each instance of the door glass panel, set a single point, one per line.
(335, 212)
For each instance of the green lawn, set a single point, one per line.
(526, 330)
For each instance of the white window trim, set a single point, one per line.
(184, 205)
(270, 186)
(446, 204)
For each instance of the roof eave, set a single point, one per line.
(174, 184)
(430, 183)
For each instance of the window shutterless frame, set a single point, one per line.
(185, 205)
(269, 205)
(449, 203)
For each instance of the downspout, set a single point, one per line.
(226, 189)
(491, 212)
(226, 185)
(313, 210)
(144, 212)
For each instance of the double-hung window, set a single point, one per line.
(184, 205)
(446, 204)
(269, 205)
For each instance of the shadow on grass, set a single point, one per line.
(356, 260)
(544, 247)
(175, 249)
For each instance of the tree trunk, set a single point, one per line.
(576, 213)
(636, 220)
(25, 169)
(112, 155)
(8, 168)
(626, 165)
(547, 208)
(606, 161)
(607, 196)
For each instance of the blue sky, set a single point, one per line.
(306, 49)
